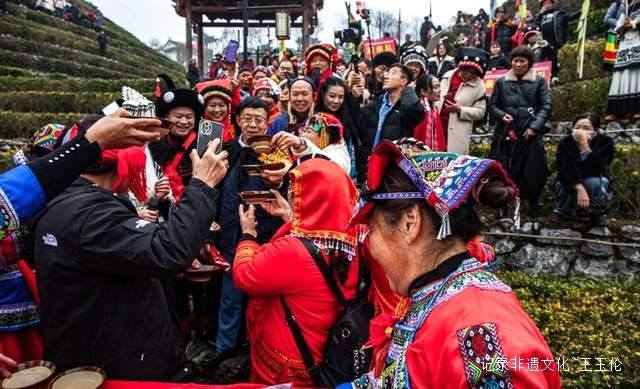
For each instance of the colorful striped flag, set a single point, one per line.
(610, 50)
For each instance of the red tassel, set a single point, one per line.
(158, 92)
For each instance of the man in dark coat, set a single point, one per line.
(103, 271)
(520, 105)
(554, 24)
(252, 115)
(425, 31)
(102, 43)
(392, 115)
(193, 73)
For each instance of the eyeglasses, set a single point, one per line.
(256, 119)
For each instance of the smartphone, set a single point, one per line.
(209, 130)
(231, 54)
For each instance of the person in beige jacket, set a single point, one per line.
(463, 98)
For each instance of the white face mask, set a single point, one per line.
(592, 135)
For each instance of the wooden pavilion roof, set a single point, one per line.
(229, 13)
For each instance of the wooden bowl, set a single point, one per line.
(256, 196)
(164, 128)
(29, 375)
(204, 274)
(256, 170)
(261, 144)
(85, 377)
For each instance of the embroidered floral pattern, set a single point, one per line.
(481, 352)
(471, 273)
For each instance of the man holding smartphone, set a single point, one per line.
(103, 271)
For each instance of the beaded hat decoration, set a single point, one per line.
(444, 180)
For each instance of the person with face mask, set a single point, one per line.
(301, 107)
(583, 162)
(463, 98)
(520, 104)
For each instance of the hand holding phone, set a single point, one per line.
(209, 130)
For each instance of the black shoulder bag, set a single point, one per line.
(345, 359)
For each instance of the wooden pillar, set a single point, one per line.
(306, 21)
(188, 33)
(200, 40)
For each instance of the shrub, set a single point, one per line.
(56, 101)
(136, 57)
(16, 72)
(52, 65)
(572, 98)
(46, 84)
(24, 124)
(568, 57)
(44, 49)
(118, 37)
(585, 319)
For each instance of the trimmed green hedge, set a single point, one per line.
(52, 65)
(56, 101)
(585, 319)
(16, 83)
(118, 37)
(138, 58)
(86, 102)
(626, 180)
(44, 49)
(568, 57)
(16, 72)
(24, 124)
(573, 98)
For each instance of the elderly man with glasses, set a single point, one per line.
(251, 117)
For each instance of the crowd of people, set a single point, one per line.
(362, 225)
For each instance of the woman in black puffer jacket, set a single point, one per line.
(521, 105)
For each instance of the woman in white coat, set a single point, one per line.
(463, 98)
(322, 134)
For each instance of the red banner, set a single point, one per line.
(542, 69)
(379, 46)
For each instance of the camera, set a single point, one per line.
(352, 34)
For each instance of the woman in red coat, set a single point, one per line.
(283, 267)
(463, 326)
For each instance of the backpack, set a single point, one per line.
(345, 358)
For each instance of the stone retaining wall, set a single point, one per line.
(538, 253)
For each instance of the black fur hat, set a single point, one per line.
(172, 98)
